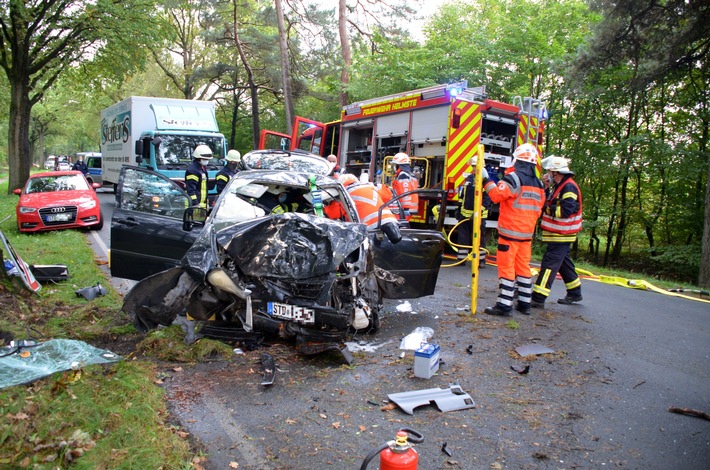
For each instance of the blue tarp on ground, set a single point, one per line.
(46, 358)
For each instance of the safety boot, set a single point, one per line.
(570, 299)
(536, 304)
(523, 308)
(498, 310)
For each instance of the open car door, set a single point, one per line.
(274, 140)
(417, 257)
(146, 228)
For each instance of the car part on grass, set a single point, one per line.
(398, 453)
(50, 272)
(90, 293)
(19, 267)
(49, 357)
(451, 399)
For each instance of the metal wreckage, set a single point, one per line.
(249, 272)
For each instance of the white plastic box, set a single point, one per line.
(426, 361)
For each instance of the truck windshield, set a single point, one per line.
(177, 150)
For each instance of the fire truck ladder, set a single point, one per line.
(532, 108)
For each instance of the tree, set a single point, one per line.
(41, 39)
(668, 38)
(285, 66)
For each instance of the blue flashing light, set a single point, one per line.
(455, 91)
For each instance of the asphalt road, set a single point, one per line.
(621, 359)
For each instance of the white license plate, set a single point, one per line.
(292, 312)
(64, 217)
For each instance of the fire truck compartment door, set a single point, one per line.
(395, 125)
(430, 124)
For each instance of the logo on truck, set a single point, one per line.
(119, 130)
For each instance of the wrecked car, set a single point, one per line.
(264, 258)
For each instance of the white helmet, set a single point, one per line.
(473, 160)
(558, 164)
(202, 152)
(526, 153)
(401, 159)
(346, 179)
(234, 156)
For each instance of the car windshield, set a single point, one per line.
(44, 184)
(289, 161)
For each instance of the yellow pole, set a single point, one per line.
(476, 229)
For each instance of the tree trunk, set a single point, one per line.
(18, 139)
(346, 53)
(253, 88)
(285, 67)
(704, 276)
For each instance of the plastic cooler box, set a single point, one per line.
(426, 360)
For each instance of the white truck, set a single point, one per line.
(160, 134)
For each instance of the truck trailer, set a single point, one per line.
(160, 134)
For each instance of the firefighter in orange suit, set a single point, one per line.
(367, 203)
(404, 181)
(561, 221)
(521, 196)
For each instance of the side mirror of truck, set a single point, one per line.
(193, 216)
(139, 151)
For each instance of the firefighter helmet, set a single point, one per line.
(234, 156)
(558, 164)
(202, 152)
(473, 160)
(526, 153)
(401, 159)
(347, 179)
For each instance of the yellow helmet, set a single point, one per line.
(234, 156)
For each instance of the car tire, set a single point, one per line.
(100, 225)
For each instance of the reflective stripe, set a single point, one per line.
(192, 177)
(572, 284)
(569, 226)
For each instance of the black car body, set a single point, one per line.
(297, 274)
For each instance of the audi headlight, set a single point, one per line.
(27, 210)
(90, 204)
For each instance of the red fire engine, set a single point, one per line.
(440, 128)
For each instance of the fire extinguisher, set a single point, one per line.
(397, 454)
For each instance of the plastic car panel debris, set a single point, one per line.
(269, 366)
(532, 349)
(90, 293)
(22, 269)
(451, 399)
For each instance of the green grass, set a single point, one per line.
(101, 417)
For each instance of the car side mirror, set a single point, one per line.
(193, 216)
(95, 186)
(17, 191)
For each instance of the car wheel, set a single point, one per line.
(100, 225)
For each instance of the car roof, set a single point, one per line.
(45, 174)
(288, 160)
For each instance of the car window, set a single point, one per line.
(150, 193)
(58, 183)
(93, 162)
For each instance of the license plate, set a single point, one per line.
(292, 312)
(63, 217)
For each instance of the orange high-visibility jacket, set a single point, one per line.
(521, 197)
(367, 202)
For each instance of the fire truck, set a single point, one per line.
(440, 127)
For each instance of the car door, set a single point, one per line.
(417, 257)
(146, 228)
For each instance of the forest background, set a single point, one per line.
(626, 83)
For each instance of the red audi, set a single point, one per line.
(57, 200)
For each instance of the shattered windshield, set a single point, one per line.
(56, 183)
(284, 160)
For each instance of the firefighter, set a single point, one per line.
(231, 168)
(333, 162)
(561, 221)
(466, 194)
(404, 181)
(196, 176)
(367, 203)
(521, 196)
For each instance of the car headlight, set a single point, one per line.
(27, 210)
(90, 204)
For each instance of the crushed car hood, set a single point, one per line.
(286, 246)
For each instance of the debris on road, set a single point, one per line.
(533, 349)
(451, 399)
(269, 365)
(521, 370)
(416, 338)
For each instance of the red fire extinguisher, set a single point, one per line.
(398, 454)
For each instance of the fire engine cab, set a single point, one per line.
(439, 127)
